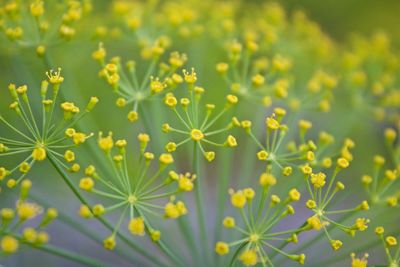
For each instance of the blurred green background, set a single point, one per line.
(340, 18)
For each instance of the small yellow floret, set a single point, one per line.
(238, 199)
(109, 243)
(86, 184)
(221, 248)
(229, 222)
(196, 135)
(249, 257)
(9, 244)
(39, 153)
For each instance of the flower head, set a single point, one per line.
(42, 136)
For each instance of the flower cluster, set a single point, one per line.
(136, 193)
(12, 231)
(196, 125)
(33, 24)
(126, 83)
(259, 219)
(320, 198)
(389, 244)
(43, 137)
(379, 185)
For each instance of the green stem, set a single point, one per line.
(200, 202)
(86, 261)
(140, 250)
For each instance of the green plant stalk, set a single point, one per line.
(140, 250)
(161, 244)
(86, 261)
(188, 235)
(88, 233)
(222, 189)
(200, 202)
(236, 254)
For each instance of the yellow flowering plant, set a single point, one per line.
(253, 109)
(43, 137)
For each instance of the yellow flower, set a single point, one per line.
(379, 160)
(175, 210)
(166, 158)
(229, 222)
(39, 153)
(262, 155)
(133, 116)
(391, 241)
(390, 135)
(357, 262)
(294, 195)
(221, 248)
(272, 124)
(29, 234)
(258, 80)
(171, 211)
(232, 99)
(361, 224)
(144, 138)
(27, 210)
(246, 124)
(9, 244)
(69, 156)
(24, 167)
(287, 171)
(190, 78)
(156, 86)
(185, 183)
(249, 257)
(231, 141)
(37, 8)
(79, 138)
(318, 180)
(311, 204)
(336, 244)
(155, 235)
(86, 183)
(55, 76)
(105, 143)
(304, 125)
(379, 230)
(391, 175)
(98, 210)
(306, 169)
(267, 179)
(196, 135)
(238, 199)
(342, 163)
(210, 155)
(170, 101)
(170, 147)
(315, 223)
(299, 258)
(222, 67)
(310, 156)
(109, 243)
(249, 193)
(136, 226)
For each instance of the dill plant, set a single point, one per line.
(273, 86)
